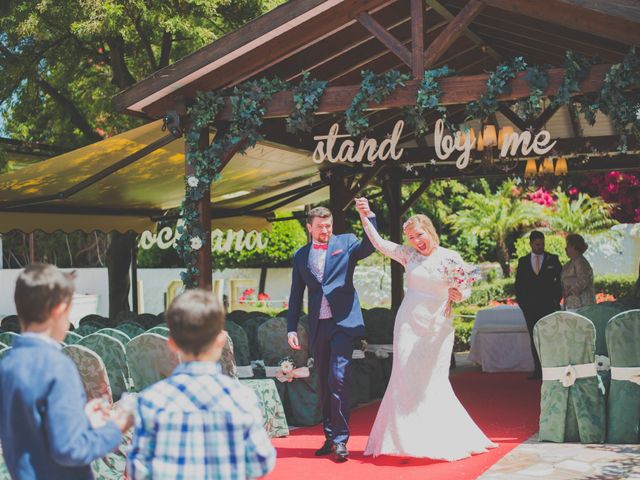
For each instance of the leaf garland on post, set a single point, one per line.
(306, 99)
(373, 89)
(537, 79)
(248, 109)
(498, 84)
(427, 99)
(576, 69)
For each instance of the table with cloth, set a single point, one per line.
(500, 341)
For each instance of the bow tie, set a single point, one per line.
(320, 246)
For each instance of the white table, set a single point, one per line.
(500, 340)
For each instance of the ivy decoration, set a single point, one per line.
(498, 84)
(373, 89)
(537, 79)
(427, 99)
(577, 68)
(619, 98)
(248, 109)
(306, 99)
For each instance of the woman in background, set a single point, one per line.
(577, 276)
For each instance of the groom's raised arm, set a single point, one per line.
(363, 248)
(295, 298)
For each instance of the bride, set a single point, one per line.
(420, 416)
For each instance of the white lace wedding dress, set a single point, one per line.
(420, 416)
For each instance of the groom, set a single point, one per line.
(325, 266)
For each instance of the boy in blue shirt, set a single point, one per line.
(199, 423)
(44, 430)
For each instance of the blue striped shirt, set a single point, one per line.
(199, 423)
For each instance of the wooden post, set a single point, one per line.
(394, 197)
(417, 39)
(134, 277)
(203, 262)
(339, 195)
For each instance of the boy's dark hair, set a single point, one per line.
(39, 289)
(320, 212)
(195, 319)
(536, 235)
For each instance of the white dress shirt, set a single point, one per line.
(533, 262)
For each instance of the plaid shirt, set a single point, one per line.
(199, 424)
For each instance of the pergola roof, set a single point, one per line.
(45, 196)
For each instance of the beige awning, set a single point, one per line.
(134, 196)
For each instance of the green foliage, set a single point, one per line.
(616, 285)
(538, 80)
(496, 215)
(373, 89)
(583, 215)
(485, 292)
(576, 69)
(497, 84)
(552, 243)
(284, 239)
(427, 100)
(306, 99)
(462, 337)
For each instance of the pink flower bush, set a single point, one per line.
(542, 197)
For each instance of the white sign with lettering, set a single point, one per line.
(220, 241)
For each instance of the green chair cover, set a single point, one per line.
(164, 331)
(148, 320)
(600, 314)
(149, 359)
(72, 337)
(125, 316)
(92, 370)
(275, 422)
(237, 316)
(300, 397)
(10, 323)
(575, 413)
(250, 327)
(254, 314)
(131, 329)
(8, 337)
(87, 329)
(623, 407)
(378, 323)
(240, 342)
(117, 334)
(113, 354)
(94, 319)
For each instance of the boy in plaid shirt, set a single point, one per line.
(198, 423)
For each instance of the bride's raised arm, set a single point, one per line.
(397, 252)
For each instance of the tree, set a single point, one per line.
(497, 215)
(61, 61)
(582, 215)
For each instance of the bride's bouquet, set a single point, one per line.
(459, 275)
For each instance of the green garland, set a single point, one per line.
(427, 99)
(497, 84)
(373, 88)
(306, 99)
(618, 98)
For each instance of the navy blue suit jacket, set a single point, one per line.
(343, 253)
(43, 428)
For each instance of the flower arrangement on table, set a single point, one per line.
(249, 297)
(459, 275)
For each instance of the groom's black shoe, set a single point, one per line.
(340, 452)
(326, 448)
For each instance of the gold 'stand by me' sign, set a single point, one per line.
(513, 144)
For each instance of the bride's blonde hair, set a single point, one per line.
(425, 223)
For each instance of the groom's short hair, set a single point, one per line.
(536, 235)
(320, 212)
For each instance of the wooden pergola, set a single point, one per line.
(335, 40)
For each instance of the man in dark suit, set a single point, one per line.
(538, 289)
(325, 266)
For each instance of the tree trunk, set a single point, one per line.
(502, 253)
(118, 263)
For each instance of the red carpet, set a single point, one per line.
(505, 406)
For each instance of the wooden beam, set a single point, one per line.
(545, 116)
(417, 39)
(393, 193)
(456, 90)
(627, 9)
(453, 30)
(388, 40)
(513, 117)
(364, 181)
(203, 261)
(575, 120)
(560, 12)
(414, 196)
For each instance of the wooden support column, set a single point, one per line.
(203, 262)
(394, 198)
(134, 277)
(417, 39)
(339, 195)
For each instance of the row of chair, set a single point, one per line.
(576, 404)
